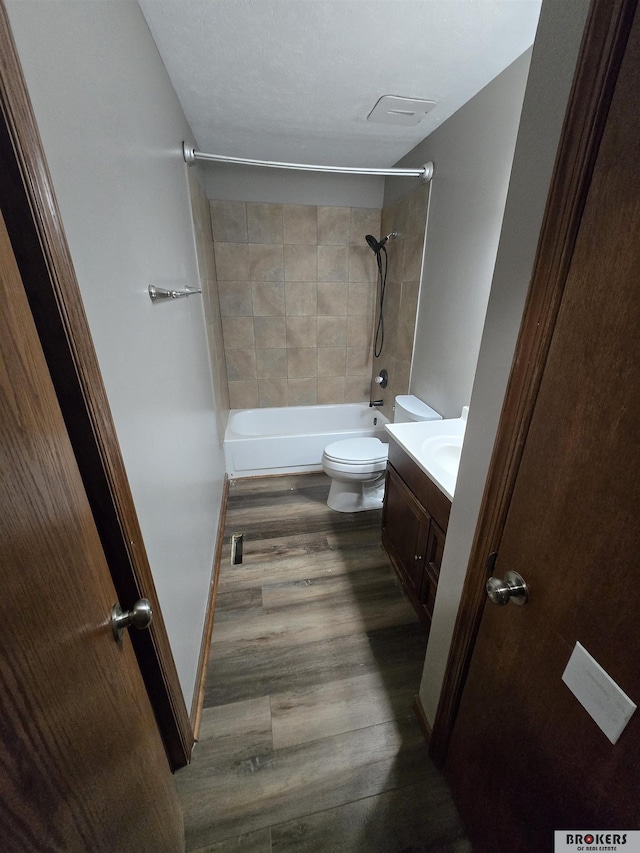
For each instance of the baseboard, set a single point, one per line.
(201, 675)
(422, 718)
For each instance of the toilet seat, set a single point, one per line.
(357, 470)
(357, 452)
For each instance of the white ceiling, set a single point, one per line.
(294, 80)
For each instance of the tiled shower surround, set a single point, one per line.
(407, 216)
(207, 271)
(297, 291)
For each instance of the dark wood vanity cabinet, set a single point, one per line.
(415, 516)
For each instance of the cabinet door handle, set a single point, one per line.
(417, 557)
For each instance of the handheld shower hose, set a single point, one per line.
(378, 246)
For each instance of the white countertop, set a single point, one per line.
(435, 446)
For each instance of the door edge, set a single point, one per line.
(602, 49)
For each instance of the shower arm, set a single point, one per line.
(191, 155)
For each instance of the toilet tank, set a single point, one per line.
(410, 408)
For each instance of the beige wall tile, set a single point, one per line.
(209, 257)
(310, 283)
(301, 298)
(402, 370)
(269, 332)
(238, 333)
(300, 263)
(361, 298)
(364, 220)
(272, 363)
(332, 298)
(214, 301)
(303, 392)
(235, 298)
(264, 222)
(195, 197)
(408, 303)
(200, 253)
(389, 219)
(362, 264)
(273, 392)
(300, 223)
(333, 225)
(217, 348)
(358, 361)
(356, 389)
(243, 394)
(412, 265)
(391, 302)
(332, 361)
(302, 363)
(232, 262)
(404, 345)
(229, 221)
(332, 331)
(219, 371)
(209, 315)
(241, 364)
(333, 263)
(268, 298)
(208, 283)
(416, 203)
(330, 390)
(395, 255)
(266, 262)
(302, 332)
(359, 331)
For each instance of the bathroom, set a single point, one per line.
(158, 361)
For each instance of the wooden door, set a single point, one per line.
(525, 757)
(35, 228)
(83, 766)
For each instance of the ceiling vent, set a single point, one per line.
(392, 109)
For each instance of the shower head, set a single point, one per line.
(376, 245)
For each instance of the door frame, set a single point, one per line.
(39, 243)
(603, 46)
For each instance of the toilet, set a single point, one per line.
(357, 465)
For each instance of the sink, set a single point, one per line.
(435, 446)
(443, 451)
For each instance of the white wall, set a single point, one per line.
(284, 186)
(472, 153)
(112, 129)
(552, 67)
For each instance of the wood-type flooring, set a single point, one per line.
(309, 742)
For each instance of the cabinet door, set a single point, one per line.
(432, 561)
(405, 525)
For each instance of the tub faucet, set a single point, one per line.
(376, 403)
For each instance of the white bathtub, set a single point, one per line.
(287, 440)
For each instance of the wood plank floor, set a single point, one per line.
(308, 741)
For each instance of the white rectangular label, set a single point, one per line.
(598, 693)
(592, 840)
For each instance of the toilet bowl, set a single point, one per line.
(357, 466)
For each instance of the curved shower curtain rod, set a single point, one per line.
(425, 172)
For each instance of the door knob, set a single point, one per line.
(140, 616)
(512, 588)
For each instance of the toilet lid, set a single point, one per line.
(357, 450)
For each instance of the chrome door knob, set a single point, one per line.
(140, 616)
(512, 588)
